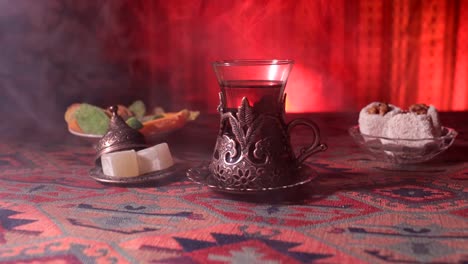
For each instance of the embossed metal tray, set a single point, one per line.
(161, 175)
(201, 175)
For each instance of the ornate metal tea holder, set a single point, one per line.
(253, 152)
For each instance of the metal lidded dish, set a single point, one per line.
(119, 137)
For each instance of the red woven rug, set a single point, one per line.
(357, 211)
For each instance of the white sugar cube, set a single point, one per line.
(120, 164)
(154, 158)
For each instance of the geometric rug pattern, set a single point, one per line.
(358, 210)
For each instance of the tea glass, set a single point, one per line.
(253, 148)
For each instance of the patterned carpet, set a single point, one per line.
(357, 211)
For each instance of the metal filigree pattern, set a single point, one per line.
(252, 149)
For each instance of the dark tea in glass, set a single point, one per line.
(263, 95)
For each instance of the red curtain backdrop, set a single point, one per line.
(347, 52)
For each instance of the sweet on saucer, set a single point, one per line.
(414, 127)
(373, 117)
(416, 124)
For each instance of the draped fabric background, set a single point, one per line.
(347, 53)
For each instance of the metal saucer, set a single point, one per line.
(161, 175)
(201, 175)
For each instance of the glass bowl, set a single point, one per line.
(404, 151)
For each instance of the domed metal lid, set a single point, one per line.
(119, 137)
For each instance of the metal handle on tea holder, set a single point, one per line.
(313, 148)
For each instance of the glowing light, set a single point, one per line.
(304, 91)
(272, 71)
